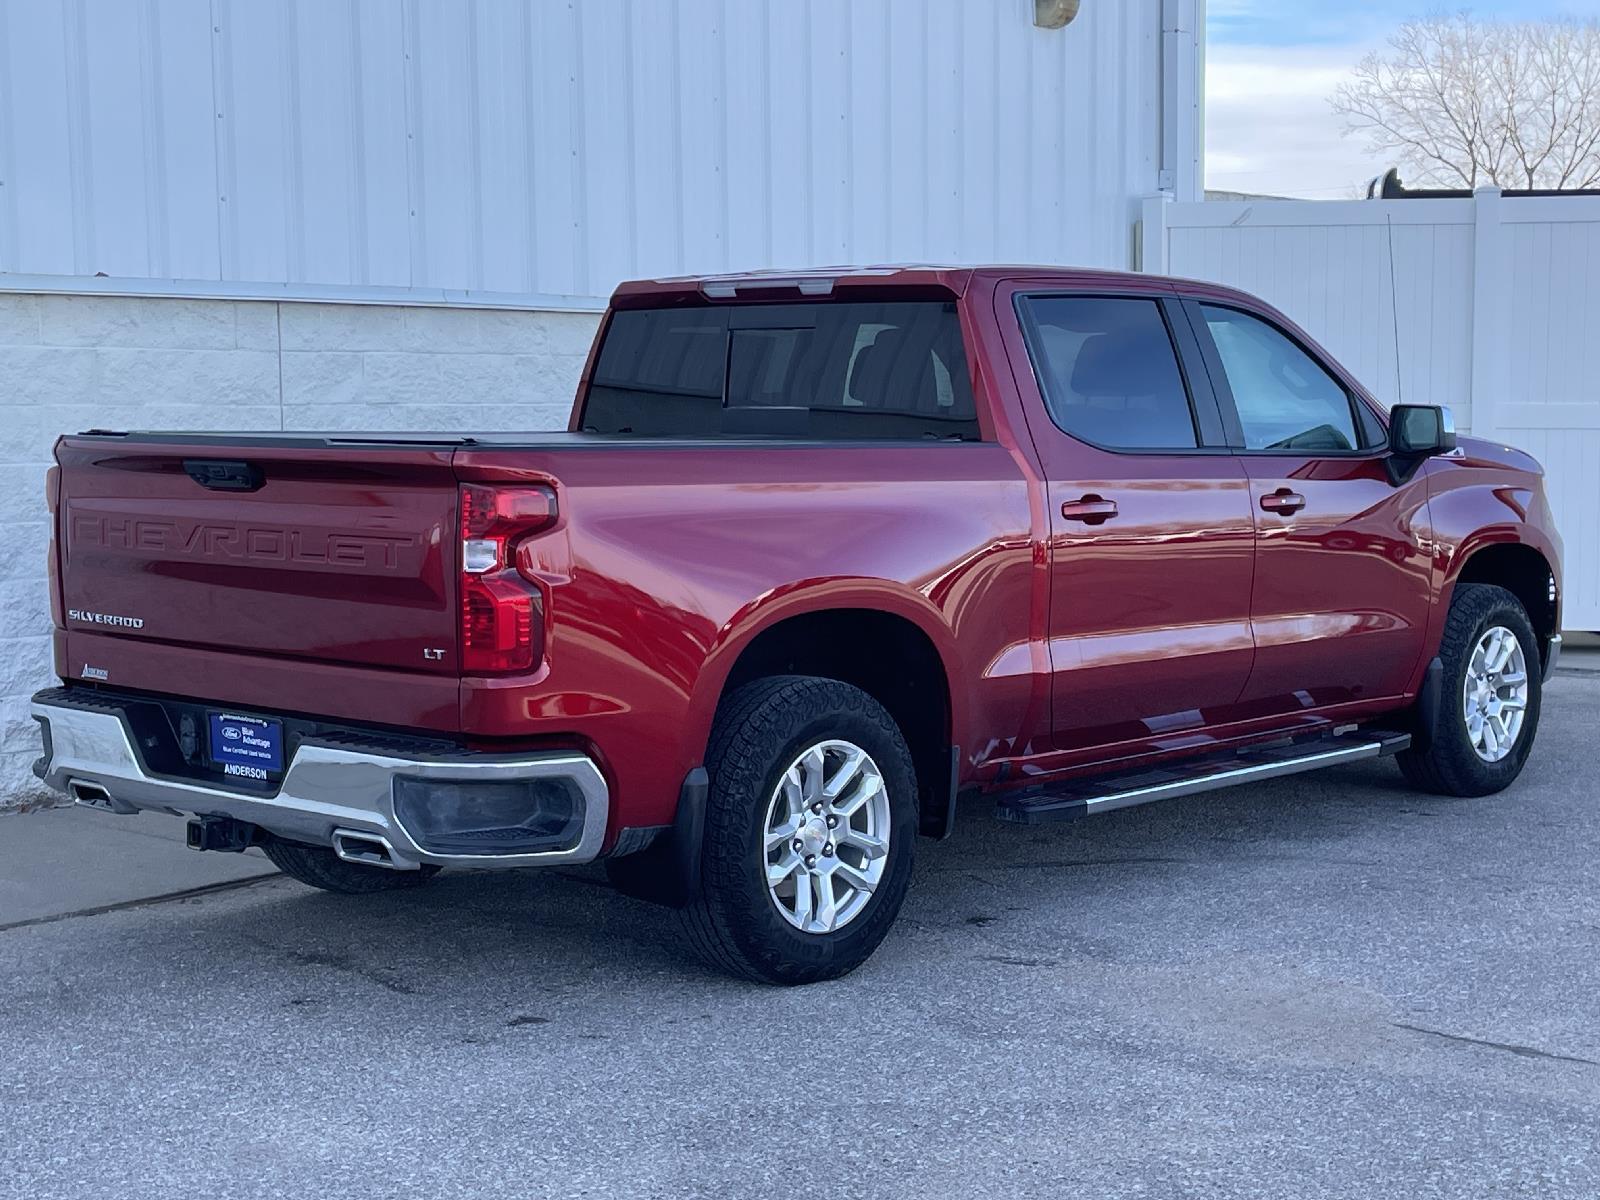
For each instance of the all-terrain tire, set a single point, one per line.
(320, 867)
(1447, 763)
(734, 924)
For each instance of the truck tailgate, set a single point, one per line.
(340, 554)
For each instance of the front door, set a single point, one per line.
(1151, 538)
(1341, 597)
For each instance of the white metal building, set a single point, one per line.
(246, 214)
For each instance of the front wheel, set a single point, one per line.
(1488, 711)
(810, 825)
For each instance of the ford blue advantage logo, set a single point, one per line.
(246, 747)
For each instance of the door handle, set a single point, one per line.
(1283, 501)
(1091, 509)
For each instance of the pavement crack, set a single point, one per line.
(1506, 1047)
(1052, 864)
(1014, 960)
(338, 962)
(334, 962)
(99, 910)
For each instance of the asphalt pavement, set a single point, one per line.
(1320, 987)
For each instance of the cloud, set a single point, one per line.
(1269, 127)
(1271, 66)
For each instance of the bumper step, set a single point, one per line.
(1106, 793)
(335, 791)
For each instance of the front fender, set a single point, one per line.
(1475, 505)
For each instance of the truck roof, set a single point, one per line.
(823, 281)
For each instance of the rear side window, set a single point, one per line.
(1110, 373)
(819, 370)
(1284, 398)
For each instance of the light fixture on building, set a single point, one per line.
(1053, 14)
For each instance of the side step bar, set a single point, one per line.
(1079, 798)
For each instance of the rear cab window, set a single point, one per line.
(820, 370)
(1109, 371)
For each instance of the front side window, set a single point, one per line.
(1109, 372)
(1284, 397)
(824, 370)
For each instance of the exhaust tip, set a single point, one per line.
(93, 795)
(367, 849)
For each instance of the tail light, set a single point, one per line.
(502, 613)
(52, 500)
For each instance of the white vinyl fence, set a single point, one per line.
(1490, 304)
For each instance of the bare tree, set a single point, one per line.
(1461, 102)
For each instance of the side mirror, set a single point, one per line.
(1421, 430)
(1417, 432)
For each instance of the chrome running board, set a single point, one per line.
(1107, 793)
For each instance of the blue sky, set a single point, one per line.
(1270, 67)
(1302, 22)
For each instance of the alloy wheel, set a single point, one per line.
(827, 836)
(1495, 694)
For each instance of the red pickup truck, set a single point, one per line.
(818, 555)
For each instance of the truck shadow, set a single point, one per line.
(495, 933)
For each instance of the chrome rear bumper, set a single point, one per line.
(340, 796)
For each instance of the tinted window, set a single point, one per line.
(1110, 373)
(820, 370)
(1285, 400)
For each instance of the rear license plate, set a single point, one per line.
(247, 747)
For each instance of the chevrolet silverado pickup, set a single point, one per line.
(818, 555)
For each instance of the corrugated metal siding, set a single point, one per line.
(552, 148)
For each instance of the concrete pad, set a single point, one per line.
(1580, 652)
(67, 860)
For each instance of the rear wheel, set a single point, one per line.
(1488, 710)
(810, 825)
(320, 867)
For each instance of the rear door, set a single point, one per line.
(1341, 594)
(1151, 539)
(341, 554)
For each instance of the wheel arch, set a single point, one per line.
(894, 646)
(1519, 566)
